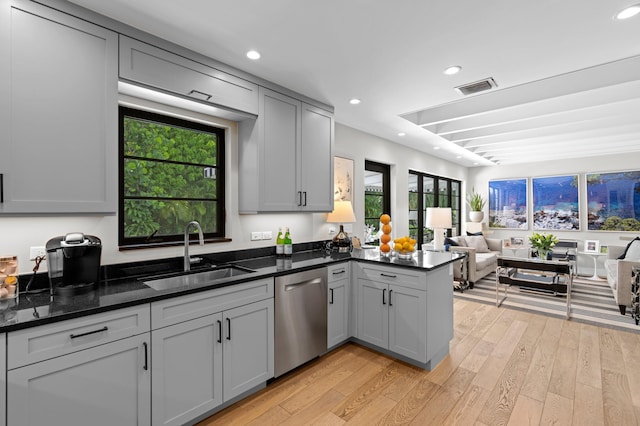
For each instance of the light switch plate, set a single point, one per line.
(256, 236)
(36, 251)
(267, 235)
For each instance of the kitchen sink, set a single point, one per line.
(196, 278)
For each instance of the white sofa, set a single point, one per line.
(619, 271)
(483, 255)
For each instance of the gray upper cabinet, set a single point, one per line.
(157, 68)
(58, 112)
(285, 157)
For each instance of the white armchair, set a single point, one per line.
(483, 258)
(619, 272)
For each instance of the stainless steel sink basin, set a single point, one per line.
(196, 278)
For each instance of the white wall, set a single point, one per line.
(479, 177)
(18, 234)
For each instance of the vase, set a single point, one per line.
(543, 254)
(476, 216)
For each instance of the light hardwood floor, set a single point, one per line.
(505, 367)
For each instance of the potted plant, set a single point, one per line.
(543, 243)
(476, 204)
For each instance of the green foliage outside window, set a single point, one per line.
(170, 176)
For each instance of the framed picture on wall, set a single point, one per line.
(555, 203)
(613, 201)
(342, 179)
(592, 246)
(508, 204)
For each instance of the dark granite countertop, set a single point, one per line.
(123, 284)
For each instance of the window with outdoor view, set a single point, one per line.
(171, 172)
(377, 197)
(431, 191)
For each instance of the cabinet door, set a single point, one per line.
(408, 322)
(3, 382)
(151, 66)
(247, 347)
(315, 167)
(58, 112)
(105, 385)
(280, 132)
(338, 312)
(373, 313)
(187, 370)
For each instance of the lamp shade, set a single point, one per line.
(438, 217)
(342, 213)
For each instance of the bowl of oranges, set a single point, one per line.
(404, 247)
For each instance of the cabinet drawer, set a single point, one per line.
(390, 275)
(149, 65)
(338, 272)
(173, 311)
(48, 341)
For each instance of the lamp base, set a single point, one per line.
(341, 242)
(438, 238)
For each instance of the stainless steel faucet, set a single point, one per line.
(187, 259)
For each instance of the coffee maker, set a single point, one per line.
(74, 263)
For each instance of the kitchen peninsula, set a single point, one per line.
(400, 307)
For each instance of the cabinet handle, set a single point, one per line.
(384, 292)
(305, 198)
(388, 275)
(228, 329)
(73, 336)
(390, 291)
(206, 95)
(331, 301)
(1, 187)
(219, 331)
(339, 272)
(146, 356)
(299, 198)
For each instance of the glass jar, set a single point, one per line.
(8, 277)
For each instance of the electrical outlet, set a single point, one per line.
(256, 236)
(267, 235)
(36, 251)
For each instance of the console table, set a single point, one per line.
(544, 276)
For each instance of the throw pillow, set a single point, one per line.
(626, 250)
(477, 242)
(474, 234)
(632, 252)
(451, 241)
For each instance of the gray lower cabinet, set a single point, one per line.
(338, 308)
(94, 370)
(391, 314)
(105, 385)
(58, 112)
(286, 162)
(150, 66)
(3, 379)
(212, 347)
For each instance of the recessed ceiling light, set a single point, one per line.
(401, 134)
(458, 156)
(455, 69)
(436, 147)
(354, 101)
(628, 12)
(252, 54)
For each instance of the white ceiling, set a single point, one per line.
(567, 72)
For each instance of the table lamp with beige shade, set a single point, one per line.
(342, 213)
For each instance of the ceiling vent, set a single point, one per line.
(477, 86)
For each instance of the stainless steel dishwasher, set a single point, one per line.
(300, 318)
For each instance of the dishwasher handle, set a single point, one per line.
(294, 286)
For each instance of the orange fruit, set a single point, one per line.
(386, 229)
(385, 219)
(385, 248)
(385, 238)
